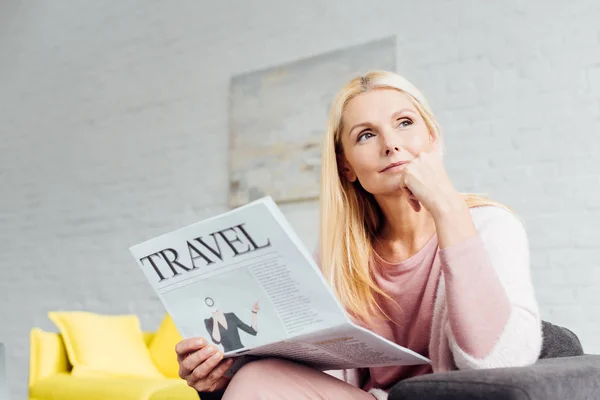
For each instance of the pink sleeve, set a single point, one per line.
(478, 307)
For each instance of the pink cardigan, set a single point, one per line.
(492, 266)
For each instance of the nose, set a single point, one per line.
(391, 146)
(388, 150)
(391, 143)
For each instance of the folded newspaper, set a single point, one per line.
(244, 281)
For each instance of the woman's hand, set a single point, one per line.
(426, 182)
(255, 308)
(201, 366)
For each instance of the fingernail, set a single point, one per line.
(216, 356)
(200, 342)
(230, 361)
(211, 350)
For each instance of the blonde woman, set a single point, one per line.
(410, 258)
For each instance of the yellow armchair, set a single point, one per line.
(50, 375)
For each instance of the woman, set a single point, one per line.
(409, 257)
(223, 328)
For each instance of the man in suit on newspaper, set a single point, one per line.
(223, 328)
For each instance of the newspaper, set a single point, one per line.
(245, 282)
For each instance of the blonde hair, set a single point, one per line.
(349, 215)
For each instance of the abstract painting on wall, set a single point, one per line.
(277, 119)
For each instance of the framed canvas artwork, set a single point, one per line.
(277, 120)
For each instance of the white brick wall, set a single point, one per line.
(114, 129)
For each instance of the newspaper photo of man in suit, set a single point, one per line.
(223, 328)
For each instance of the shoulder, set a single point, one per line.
(501, 231)
(231, 317)
(497, 219)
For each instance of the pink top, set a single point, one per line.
(413, 282)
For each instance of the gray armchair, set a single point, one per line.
(562, 372)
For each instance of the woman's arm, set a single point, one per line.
(492, 312)
(493, 318)
(478, 307)
(453, 223)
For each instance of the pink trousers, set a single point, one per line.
(278, 379)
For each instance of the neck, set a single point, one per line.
(403, 224)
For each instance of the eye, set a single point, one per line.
(404, 122)
(364, 136)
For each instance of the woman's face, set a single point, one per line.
(381, 128)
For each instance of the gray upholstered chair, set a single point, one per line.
(564, 371)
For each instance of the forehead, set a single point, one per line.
(374, 105)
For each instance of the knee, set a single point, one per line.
(258, 370)
(254, 380)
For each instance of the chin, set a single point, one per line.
(388, 186)
(387, 190)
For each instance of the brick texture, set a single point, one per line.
(113, 128)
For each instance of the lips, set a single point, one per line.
(392, 165)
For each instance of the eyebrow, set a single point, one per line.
(366, 124)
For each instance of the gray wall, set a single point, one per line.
(113, 116)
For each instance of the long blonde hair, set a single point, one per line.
(349, 215)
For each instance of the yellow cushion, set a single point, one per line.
(104, 345)
(176, 391)
(162, 348)
(47, 355)
(148, 336)
(66, 387)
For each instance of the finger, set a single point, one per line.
(404, 186)
(186, 346)
(202, 371)
(415, 204)
(412, 199)
(218, 372)
(195, 359)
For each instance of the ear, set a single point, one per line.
(345, 168)
(439, 147)
(436, 143)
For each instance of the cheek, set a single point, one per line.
(418, 143)
(364, 160)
